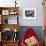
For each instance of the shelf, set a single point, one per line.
(9, 19)
(9, 8)
(5, 12)
(6, 24)
(11, 41)
(10, 26)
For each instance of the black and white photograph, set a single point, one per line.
(29, 13)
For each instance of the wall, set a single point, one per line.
(27, 4)
(39, 12)
(6, 3)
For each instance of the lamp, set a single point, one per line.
(15, 3)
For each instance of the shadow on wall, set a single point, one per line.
(37, 29)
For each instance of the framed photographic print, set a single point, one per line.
(5, 12)
(29, 13)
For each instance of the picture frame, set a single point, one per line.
(29, 13)
(13, 12)
(5, 12)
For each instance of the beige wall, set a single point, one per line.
(27, 4)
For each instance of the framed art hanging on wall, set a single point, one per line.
(29, 13)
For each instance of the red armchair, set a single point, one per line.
(29, 33)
